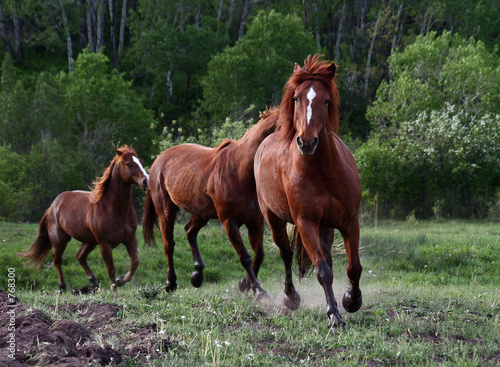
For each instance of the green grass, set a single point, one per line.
(431, 297)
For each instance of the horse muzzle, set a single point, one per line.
(144, 184)
(307, 148)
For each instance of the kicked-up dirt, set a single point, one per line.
(82, 338)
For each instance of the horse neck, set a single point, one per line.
(249, 143)
(118, 193)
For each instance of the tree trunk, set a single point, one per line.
(369, 58)
(219, 13)
(69, 44)
(84, 41)
(198, 16)
(112, 31)
(304, 10)
(3, 34)
(122, 34)
(243, 18)
(90, 24)
(339, 33)
(100, 25)
(17, 32)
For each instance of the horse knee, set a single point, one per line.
(324, 273)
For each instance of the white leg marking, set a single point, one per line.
(310, 96)
(138, 162)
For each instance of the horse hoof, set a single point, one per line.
(244, 285)
(292, 301)
(170, 286)
(333, 323)
(120, 281)
(62, 286)
(350, 304)
(196, 279)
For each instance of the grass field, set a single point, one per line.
(431, 293)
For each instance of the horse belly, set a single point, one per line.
(71, 211)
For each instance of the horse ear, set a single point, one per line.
(297, 68)
(332, 69)
(118, 153)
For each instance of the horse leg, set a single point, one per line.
(280, 238)
(59, 248)
(233, 232)
(107, 256)
(352, 299)
(167, 222)
(310, 235)
(255, 237)
(192, 228)
(134, 261)
(81, 256)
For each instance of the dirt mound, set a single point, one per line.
(28, 337)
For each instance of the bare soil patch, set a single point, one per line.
(82, 335)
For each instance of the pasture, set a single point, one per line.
(431, 293)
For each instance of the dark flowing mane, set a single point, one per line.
(100, 184)
(314, 69)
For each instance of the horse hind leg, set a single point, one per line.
(81, 256)
(192, 228)
(233, 232)
(167, 222)
(255, 237)
(59, 244)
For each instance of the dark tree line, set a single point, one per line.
(88, 74)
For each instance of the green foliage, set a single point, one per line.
(244, 75)
(64, 131)
(435, 147)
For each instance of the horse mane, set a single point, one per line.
(223, 145)
(100, 184)
(314, 69)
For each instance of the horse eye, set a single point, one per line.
(295, 99)
(327, 101)
(129, 164)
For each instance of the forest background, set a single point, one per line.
(419, 84)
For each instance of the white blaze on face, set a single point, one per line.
(138, 162)
(310, 96)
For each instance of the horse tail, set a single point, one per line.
(303, 260)
(149, 220)
(38, 251)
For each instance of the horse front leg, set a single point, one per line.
(107, 256)
(256, 239)
(134, 262)
(310, 236)
(233, 232)
(352, 299)
(291, 298)
(192, 228)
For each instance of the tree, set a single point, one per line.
(435, 144)
(243, 75)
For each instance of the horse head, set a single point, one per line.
(131, 169)
(314, 102)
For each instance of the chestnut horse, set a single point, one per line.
(209, 183)
(104, 216)
(307, 176)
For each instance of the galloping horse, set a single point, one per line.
(104, 216)
(210, 183)
(307, 176)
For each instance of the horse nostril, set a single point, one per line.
(300, 143)
(314, 143)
